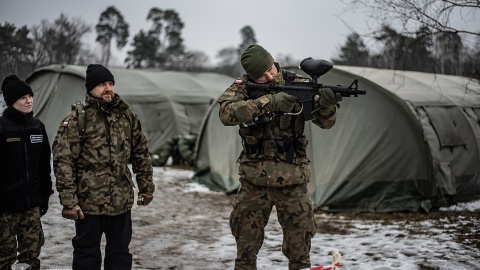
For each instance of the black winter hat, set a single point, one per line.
(13, 88)
(97, 74)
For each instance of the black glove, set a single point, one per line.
(328, 98)
(44, 207)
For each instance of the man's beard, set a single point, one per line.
(107, 96)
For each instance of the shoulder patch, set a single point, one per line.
(238, 81)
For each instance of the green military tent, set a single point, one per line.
(412, 143)
(3, 106)
(168, 103)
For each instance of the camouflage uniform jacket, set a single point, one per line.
(274, 153)
(92, 171)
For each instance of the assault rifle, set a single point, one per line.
(305, 91)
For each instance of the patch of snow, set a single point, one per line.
(469, 206)
(187, 227)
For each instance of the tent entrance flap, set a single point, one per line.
(445, 126)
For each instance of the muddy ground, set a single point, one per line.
(186, 227)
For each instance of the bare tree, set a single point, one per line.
(229, 58)
(59, 42)
(434, 14)
(193, 61)
(286, 60)
(450, 25)
(449, 48)
(228, 61)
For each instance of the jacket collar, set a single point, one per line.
(117, 103)
(16, 116)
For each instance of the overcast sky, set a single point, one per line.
(301, 28)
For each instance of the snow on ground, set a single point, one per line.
(186, 227)
(470, 207)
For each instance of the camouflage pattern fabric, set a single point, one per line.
(93, 171)
(251, 210)
(267, 164)
(274, 170)
(26, 230)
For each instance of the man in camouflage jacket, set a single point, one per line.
(93, 179)
(274, 168)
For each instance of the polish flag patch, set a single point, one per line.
(238, 82)
(65, 124)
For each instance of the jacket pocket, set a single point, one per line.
(93, 181)
(253, 173)
(94, 193)
(253, 147)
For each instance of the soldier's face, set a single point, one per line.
(24, 104)
(268, 75)
(104, 91)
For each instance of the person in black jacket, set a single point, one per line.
(25, 182)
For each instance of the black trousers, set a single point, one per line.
(86, 243)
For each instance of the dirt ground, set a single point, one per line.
(186, 227)
(177, 219)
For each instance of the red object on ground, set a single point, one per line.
(326, 267)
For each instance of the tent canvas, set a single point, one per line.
(168, 103)
(410, 144)
(3, 106)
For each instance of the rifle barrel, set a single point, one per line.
(345, 91)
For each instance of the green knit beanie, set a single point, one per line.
(255, 61)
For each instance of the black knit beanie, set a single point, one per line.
(97, 74)
(13, 88)
(255, 61)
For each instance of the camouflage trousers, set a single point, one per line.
(22, 233)
(251, 210)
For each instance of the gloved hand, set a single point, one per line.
(328, 98)
(44, 207)
(281, 102)
(144, 198)
(73, 213)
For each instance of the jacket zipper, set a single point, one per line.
(26, 163)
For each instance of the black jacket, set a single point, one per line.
(24, 162)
